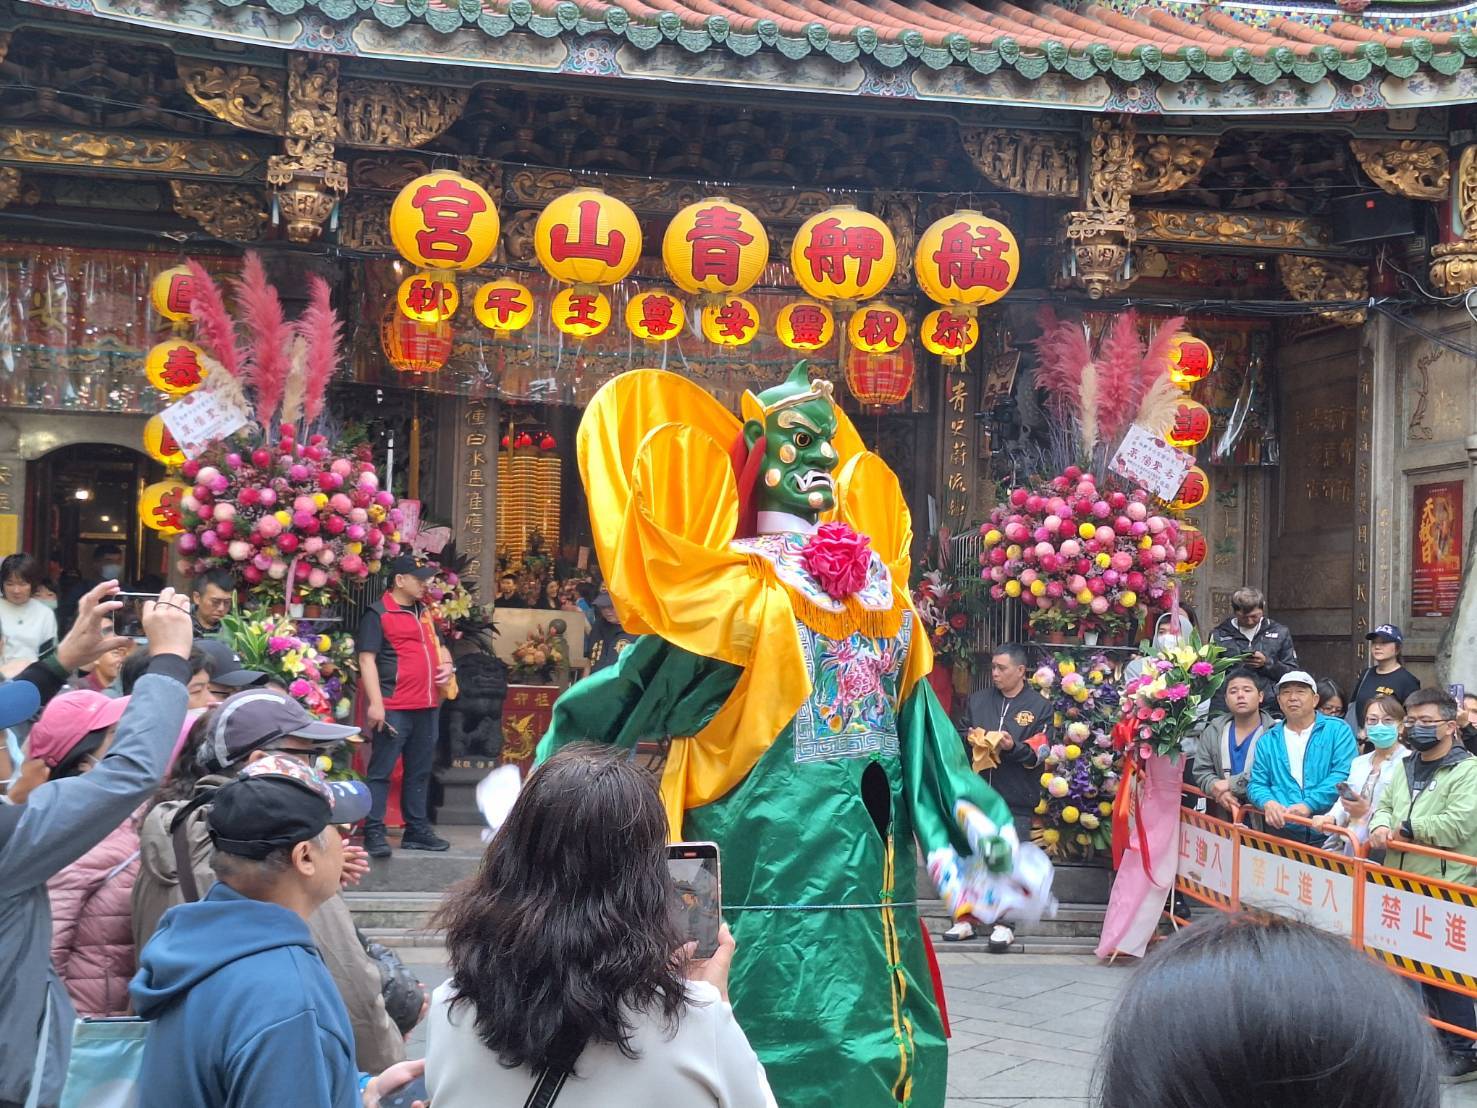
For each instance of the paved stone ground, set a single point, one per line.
(1026, 1028)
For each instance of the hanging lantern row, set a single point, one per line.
(176, 367)
(714, 250)
(1190, 361)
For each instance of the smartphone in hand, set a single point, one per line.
(698, 899)
(1346, 791)
(128, 620)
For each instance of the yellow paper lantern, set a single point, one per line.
(175, 366)
(805, 325)
(427, 298)
(503, 306)
(1190, 425)
(580, 313)
(949, 333)
(654, 316)
(877, 328)
(1190, 360)
(159, 506)
(966, 260)
(1193, 490)
(586, 237)
(715, 246)
(732, 321)
(843, 254)
(443, 220)
(159, 442)
(172, 292)
(412, 346)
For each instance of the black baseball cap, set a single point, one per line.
(410, 564)
(255, 718)
(225, 667)
(1386, 631)
(278, 801)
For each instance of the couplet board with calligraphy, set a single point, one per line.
(527, 712)
(1150, 461)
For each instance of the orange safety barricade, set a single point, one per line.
(1422, 928)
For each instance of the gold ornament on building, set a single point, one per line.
(1417, 169)
(1166, 163)
(1317, 280)
(1035, 163)
(245, 96)
(1099, 238)
(1454, 264)
(236, 212)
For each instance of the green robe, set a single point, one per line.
(831, 981)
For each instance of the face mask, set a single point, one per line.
(1423, 736)
(1383, 735)
(48, 601)
(112, 572)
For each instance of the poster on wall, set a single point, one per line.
(1436, 559)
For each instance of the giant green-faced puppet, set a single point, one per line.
(765, 563)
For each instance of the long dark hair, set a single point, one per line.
(180, 783)
(1262, 1011)
(567, 928)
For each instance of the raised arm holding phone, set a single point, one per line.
(61, 820)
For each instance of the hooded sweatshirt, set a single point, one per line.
(245, 1014)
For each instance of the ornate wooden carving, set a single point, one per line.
(62, 149)
(1100, 237)
(249, 97)
(536, 187)
(386, 172)
(364, 221)
(1036, 163)
(899, 210)
(236, 212)
(4, 44)
(10, 185)
(307, 177)
(1454, 264)
(1250, 230)
(1164, 163)
(1317, 280)
(517, 244)
(1405, 167)
(379, 113)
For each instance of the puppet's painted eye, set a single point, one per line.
(802, 440)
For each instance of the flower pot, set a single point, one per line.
(1056, 638)
(1090, 638)
(312, 611)
(295, 611)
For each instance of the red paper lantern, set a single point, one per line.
(880, 380)
(1192, 539)
(414, 347)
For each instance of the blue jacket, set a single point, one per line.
(245, 1013)
(1331, 751)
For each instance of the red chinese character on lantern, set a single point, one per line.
(1192, 489)
(181, 369)
(656, 315)
(582, 309)
(968, 260)
(586, 243)
(1194, 357)
(181, 293)
(951, 331)
(167, 511)
(831, 244)
(716, 238)
(880, 329)
(448, 208)
(427, 297)
(505, 302)
(808, 324)
(1189, 422)
(168, 444)
(734, 320)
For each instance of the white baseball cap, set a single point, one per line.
(1298, 677)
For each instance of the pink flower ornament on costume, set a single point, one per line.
(837, 558)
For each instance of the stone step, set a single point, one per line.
(1071, 921)
(404, 938)
(392, 909)
(423, 871)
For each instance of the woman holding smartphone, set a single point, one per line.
(568, 970)
(1369, 774)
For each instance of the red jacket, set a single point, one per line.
(92, 924)
(406, 653)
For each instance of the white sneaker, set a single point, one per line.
(1000, 938)
(959, 932)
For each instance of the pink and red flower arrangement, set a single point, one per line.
(287, 507)
(1075, 546)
